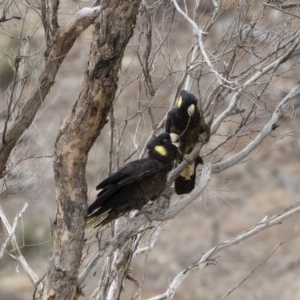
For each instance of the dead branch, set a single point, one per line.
(57, 53)
(274, 64)
(199, 33)
(267, 129)
(282, 8)
(209, 255)
(252, 271)
(141, 220)
(12, 238)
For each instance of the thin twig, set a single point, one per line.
(13, 228)
(11, 236)
(66, 38)
(208, 256)
(136, 223)
(199, 33)
(228, 111)
(279, 8)
(267, 129)
(252, 271)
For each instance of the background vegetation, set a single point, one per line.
(81, 96)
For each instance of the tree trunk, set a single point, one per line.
(56, 53)
(77, 135)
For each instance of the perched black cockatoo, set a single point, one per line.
(186, 120)
(135, 184)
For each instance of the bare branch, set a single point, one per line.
(138, 222)
(267, 129)
(184, 202)
(199, 33)
(10, 230)
(289, 4)
(282, 8)
(208, 256)
(234, 62)
(5, 19)
(63, 43)
(274, 64)
(76, 137)
(11, 237)
(252, 271)
(145, 61)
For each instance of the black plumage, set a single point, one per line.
(186, 120)
(134, 184)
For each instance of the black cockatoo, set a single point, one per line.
(186, 121)
(135, 184)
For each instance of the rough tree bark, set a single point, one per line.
(240, 69)
(58, 46)
(77, 135)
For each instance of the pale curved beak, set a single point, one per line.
(191, 110)
(175, 139)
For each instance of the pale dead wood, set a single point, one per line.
(263, 70)
(56, 53)
(11, 238)
(200, 35)
(282, 8)
(266, 130)
(81, 128)
(209, 255)
(140, 221)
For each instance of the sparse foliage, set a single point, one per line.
(241, 60)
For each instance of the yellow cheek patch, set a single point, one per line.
(179, 102)
(160, 150)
